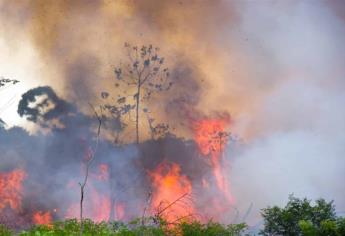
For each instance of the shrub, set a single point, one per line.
(134, 228)
(196, 228)
(4, 231)
(300, 217)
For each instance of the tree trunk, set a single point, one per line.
(81, 209)
(137, 113)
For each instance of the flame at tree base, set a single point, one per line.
(211, 138)
(170, 192)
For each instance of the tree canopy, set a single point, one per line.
(301, 217)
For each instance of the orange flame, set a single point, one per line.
(11, 185)
(169, 185)
(120, 211)
(42, 218)
(100, 205)
(211, 138)
(97, 204)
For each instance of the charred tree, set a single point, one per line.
(89, 161)
(142, 75)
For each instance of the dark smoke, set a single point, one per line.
(54, 159)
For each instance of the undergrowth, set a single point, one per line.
(135, 228)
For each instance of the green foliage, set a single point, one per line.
(134, 228)
(327, 227)
(4, 231)
(300, 217)
(196, 228)
(70, 227)
(341, 225)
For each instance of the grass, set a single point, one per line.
(135, 228)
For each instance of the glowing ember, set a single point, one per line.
(211, 137)
(11, 189)
(42, 218)
(169, 186)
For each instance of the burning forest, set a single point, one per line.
(158, 176)
(168, 111)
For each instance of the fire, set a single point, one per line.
(169, 185)
(120, 211)
(103, 172)
(97, 203)
(11, 185)
(100, 205)
(211, 138)
(42, 218)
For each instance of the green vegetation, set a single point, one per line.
(72, 228)
(5, 231)
(300, 217)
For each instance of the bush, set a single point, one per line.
(135, 228)
(300, 217)
(4, 231)
(327, 227)
(70, 228)
(196, 228)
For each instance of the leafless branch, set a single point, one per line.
(88, 164)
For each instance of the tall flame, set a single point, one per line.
(11, 187)
(169, 186)
(42, 218)
(97, 203)
(211, 138)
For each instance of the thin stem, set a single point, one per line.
(88, 164)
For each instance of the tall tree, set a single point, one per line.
(142, 75)
(291, 219)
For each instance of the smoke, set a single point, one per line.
(295, 139)
(120, 176)
(80, 42)
(276, 67)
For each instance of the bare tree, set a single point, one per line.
(158, 130)
(142, 75)
(4, 81)
(88, 164)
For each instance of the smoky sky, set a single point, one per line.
(277, 67)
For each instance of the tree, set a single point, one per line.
(138, 79)
(4, 81)
(89, 161)
(327, 227)
(298, 217)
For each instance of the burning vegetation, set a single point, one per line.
(155, 174)
(154, 152)
(11, 189)
(164, 178)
